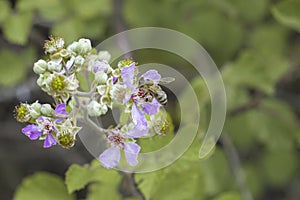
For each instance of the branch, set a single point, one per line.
(235, 166)
(253, 103)
(133, 187)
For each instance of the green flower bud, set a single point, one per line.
(40, 66)
(47, 110)
(96, 109)
(101, 77)
(35, 110)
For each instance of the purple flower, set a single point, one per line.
(60, 112)
(44, 127)
(111, 156)
(140, 106)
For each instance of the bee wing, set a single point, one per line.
(167, 80)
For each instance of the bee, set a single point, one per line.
(148, 90)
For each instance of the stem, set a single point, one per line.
(236, 168)
(133, 186)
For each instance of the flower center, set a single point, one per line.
(57, 83)
(117, 140)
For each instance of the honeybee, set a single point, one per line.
(148, 90)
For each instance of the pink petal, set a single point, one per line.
(151, 108)
(110, 157)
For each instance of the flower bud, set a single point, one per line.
(35, 110)
(73, 47)
(79, 60)
(64, 53)
(47, 110)
(104, 55)
(116, 72)
(101, 77)
(84, 46)
(40, 66)
(96, 109)
(54, 66)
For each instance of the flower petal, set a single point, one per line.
(60, 109)
(127, 74)
(137, 116)
(131, 151)
(49, 141)
(32, 131)
(151, 108)
(137, 131)
(110, 157)
(153, 75)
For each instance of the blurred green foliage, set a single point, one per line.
(251, 42)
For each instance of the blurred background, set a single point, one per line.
(255, 44)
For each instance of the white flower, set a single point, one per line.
(96, 109)
(118, 93)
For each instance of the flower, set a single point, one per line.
(118, 140)
(44, 129)
(139, 105)
(54, 45)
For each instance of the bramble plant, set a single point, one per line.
(62, 76)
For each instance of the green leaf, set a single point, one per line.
(229, 196)
(287, 13)
(77, 177)
(90, 9)
(18, 67)
(42, 186)
(107, 186)
(17, 26)
(183, 178)
(48, 9)
(4, 10)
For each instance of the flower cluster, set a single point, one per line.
(83, 84)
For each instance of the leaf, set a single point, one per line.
(90, 9)
(287, 13)
(229, 196)
(51, 10)
(107, 186)
(42, 186)
(10, 65)
(17, 26)
(183, 178)
(78, 177)
(4, 10)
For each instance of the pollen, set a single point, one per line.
(57, 83)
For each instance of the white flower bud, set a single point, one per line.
(40, 66)
(84, 46)
(79, 60)
(96, 109)
(34, 114)
(47, 110)
(104, 55)
(73, 47)
(53, 66)
(35, 110)
(101, 77)
(36, 106)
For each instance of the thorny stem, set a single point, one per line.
(236, 168)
